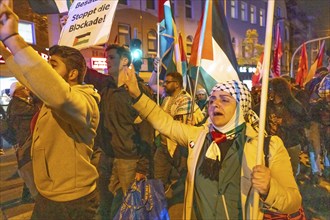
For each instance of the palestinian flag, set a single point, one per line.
(81, 39)
(50, 6)
(212, 49)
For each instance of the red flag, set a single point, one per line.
(277, 53)
(317, 63)
(207, 51)
(161, 10)
(183, 61)
(256, 77)
(302, 67)
(182, 51)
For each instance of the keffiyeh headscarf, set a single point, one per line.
(243, 99)
(211, 164)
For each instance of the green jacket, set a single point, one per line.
(283, 196)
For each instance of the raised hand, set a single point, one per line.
(131, 82)
(8, 21)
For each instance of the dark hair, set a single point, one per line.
(282, 88)
(177, 77)
(72, 58)
(122, 51)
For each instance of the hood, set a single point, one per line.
(88, 89)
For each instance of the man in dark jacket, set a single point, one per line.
(126, 149)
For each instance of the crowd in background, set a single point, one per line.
(89, 146)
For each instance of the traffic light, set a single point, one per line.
(136, 52)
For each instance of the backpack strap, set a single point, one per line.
(266, 150)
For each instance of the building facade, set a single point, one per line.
(138, 19)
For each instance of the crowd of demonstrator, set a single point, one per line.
(88, 146)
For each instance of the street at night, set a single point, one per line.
(164, 109)
(316, 198)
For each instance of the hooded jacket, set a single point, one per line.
(64, 133)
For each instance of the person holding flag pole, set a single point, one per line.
(222, 168)
(263, 100)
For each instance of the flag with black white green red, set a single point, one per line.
(212, 50)
(82, 39)
(50, 6)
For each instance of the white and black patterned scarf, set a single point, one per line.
(243, 113)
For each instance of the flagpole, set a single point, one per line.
(264, 93)
(201, 43)
(158, 64)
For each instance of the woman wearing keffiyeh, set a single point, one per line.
(222, 157)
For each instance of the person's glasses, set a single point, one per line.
(168, 81)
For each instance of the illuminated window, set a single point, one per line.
(124, 34)
(262, 17)
(253, 14)
(244, 16)
(152, 42)
(234, 8)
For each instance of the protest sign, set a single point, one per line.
(89, 23)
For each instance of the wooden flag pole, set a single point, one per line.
(264, 94)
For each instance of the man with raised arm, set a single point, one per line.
(64, 131)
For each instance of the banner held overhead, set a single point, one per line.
(89, 23)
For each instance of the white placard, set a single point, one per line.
(89, 23)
